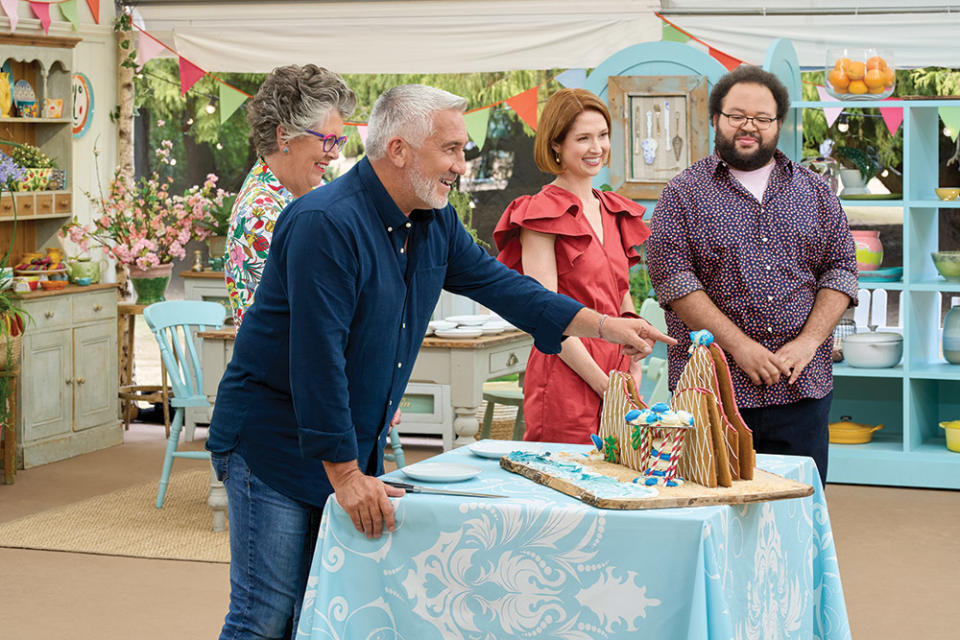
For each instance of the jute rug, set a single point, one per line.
(126, 523)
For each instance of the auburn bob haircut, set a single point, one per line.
(558, 115)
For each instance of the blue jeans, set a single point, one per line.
(795, 429)
(272, 538)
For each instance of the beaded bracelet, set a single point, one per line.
(600, 326)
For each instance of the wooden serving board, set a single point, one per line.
(765, 486)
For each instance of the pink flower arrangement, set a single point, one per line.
(141, 223)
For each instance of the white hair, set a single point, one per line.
(407, 111)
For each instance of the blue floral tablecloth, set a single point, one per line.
(540, 564)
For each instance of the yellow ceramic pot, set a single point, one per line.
(847, 432)
(952, 427)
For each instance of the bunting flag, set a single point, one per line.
(725, 59)
(892, 117)
(831, 113)
(147, 49)
(230, 101)
(572, 78)
(94, 9)
(68, 9)
(362, 130)
(525, 106)
(189, 74)
(951, 118)
(477, 122)
(10, 8)
(670, 33)
(42, 11)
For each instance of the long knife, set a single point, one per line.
(412, 488)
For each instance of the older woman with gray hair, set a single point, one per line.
(296, 126)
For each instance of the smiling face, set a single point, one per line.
(586, 147)
(306, 159)
(438, 161)
(746, 147)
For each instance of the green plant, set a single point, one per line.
(463, 204)
(30, 157)
(218, 221)
(640, 286)
(864, 160)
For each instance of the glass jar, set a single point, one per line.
(859, 74)
(951, 334)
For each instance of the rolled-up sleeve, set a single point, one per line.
(839, 266)
(669, 258)
(323, 298)
(520, 299)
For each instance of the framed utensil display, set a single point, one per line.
(659, 126)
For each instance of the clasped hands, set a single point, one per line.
(765, 367)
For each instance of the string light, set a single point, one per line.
(842, 125)
(219, 146)
(210, 108)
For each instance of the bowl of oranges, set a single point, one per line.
(860, 74)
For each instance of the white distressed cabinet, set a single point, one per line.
(68, 384)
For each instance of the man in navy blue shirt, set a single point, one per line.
(325, 352)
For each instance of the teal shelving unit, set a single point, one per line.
(913, 397)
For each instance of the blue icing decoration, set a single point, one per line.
(597, 442)
(650, 481)
(701, 338)
(632, 415)
(664, 456)
(660, 407)
(599, 485)
(671, 483)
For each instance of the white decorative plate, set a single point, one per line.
(441, 324)
(492, 331)
(23, 92)
(462, 332)
(469, 320)
(440, 471)
(499, 448)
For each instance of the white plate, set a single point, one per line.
(499, 448)
(492, 331)
(440, 471)
(462, 332)
(428, 332)
(441, 324)
(469, 320)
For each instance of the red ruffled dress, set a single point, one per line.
(559, 406)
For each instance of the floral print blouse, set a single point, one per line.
(260, 201)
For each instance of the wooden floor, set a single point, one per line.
(899, 552)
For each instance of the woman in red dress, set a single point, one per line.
(581, 242)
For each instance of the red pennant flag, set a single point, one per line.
(94, 9)
(727, 61)
(42, 11)
(189, 74)
(525, 105)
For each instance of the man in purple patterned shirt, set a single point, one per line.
(756, 249)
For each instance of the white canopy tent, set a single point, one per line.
(422, 36)
(460, 36)
(919, 34)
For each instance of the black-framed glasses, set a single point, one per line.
(330, 141)
(762, 123)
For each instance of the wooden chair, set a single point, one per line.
(507, 397)
(397, 456)
(173, 324)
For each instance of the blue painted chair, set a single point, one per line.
(397, 456)
(173, 324)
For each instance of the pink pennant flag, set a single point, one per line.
(892, 117)
(362, 130)
(147, 49)
(189, 74)
(831, 113)
(10, 8)
(525, 106)
(42, 11)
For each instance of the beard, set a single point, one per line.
(728, 152)
(425, 188)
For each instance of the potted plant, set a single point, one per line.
(12, 316)
(37, 167)
(145, 226)
(218, 223)
(858, 167)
